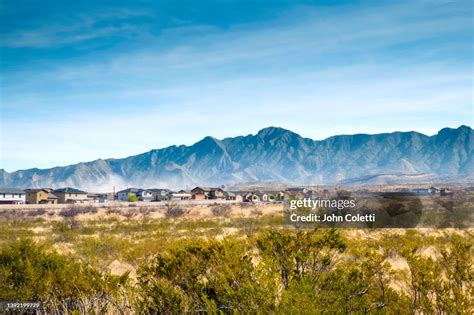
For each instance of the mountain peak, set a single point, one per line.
(274, 132)
(450, 132)
(207, 144)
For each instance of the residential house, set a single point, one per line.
(181, 195)
(445, 192)
(217, 193)
(201, 193)
(295, 193)
(12, 196)
(41, 196)
(256, 196)
(233, 196)
(427, 191)
(297, 190)
(125, 194)
(311, 194)
(247, 197)
(71, 195)
(275, 195)
(145, 195)
(264, 197)
(422, 191)
(100, 198)
(159, 194)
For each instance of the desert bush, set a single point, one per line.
(173, 210)
(273, 270)
(110, 211)
(250, 217)
(144, 211)
(246, 205)
(361, 287)
(69, 214)
(36, 212)
(128, 213)
(205, 276)
(75, 210)
(221, 210)
(444, 285)
(32, 273)
(296, 254)
(11, 214)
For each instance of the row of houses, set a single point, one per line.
(432, 191)
(42, 196)
(214, 193)
(198, 193)
(71, 195)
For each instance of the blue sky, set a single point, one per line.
(82, 80)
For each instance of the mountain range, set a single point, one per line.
(273, 155)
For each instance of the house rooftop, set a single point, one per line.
(132, 190)
(52, 196)
(208, 189)
(11, 191)
(298, 189)
(158, 189)
(69, 190)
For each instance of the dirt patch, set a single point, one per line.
(400, 266)
(118, 268)
(430, 252)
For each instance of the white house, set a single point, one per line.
(256, 197)
(425, 191)
(233, 196)
(142, 194)
(159, 194)
(181, 196)
(145, 195)
(12, 196)
(99, 198)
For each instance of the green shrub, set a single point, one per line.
(31, 273)
(205, 275)
(132, 198)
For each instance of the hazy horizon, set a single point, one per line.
(83, 81)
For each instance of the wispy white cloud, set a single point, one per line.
(75, 30)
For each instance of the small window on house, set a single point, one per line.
(76, 195)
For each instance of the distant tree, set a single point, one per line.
(132, 198)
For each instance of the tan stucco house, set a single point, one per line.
(40, 196)
(71, 195)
